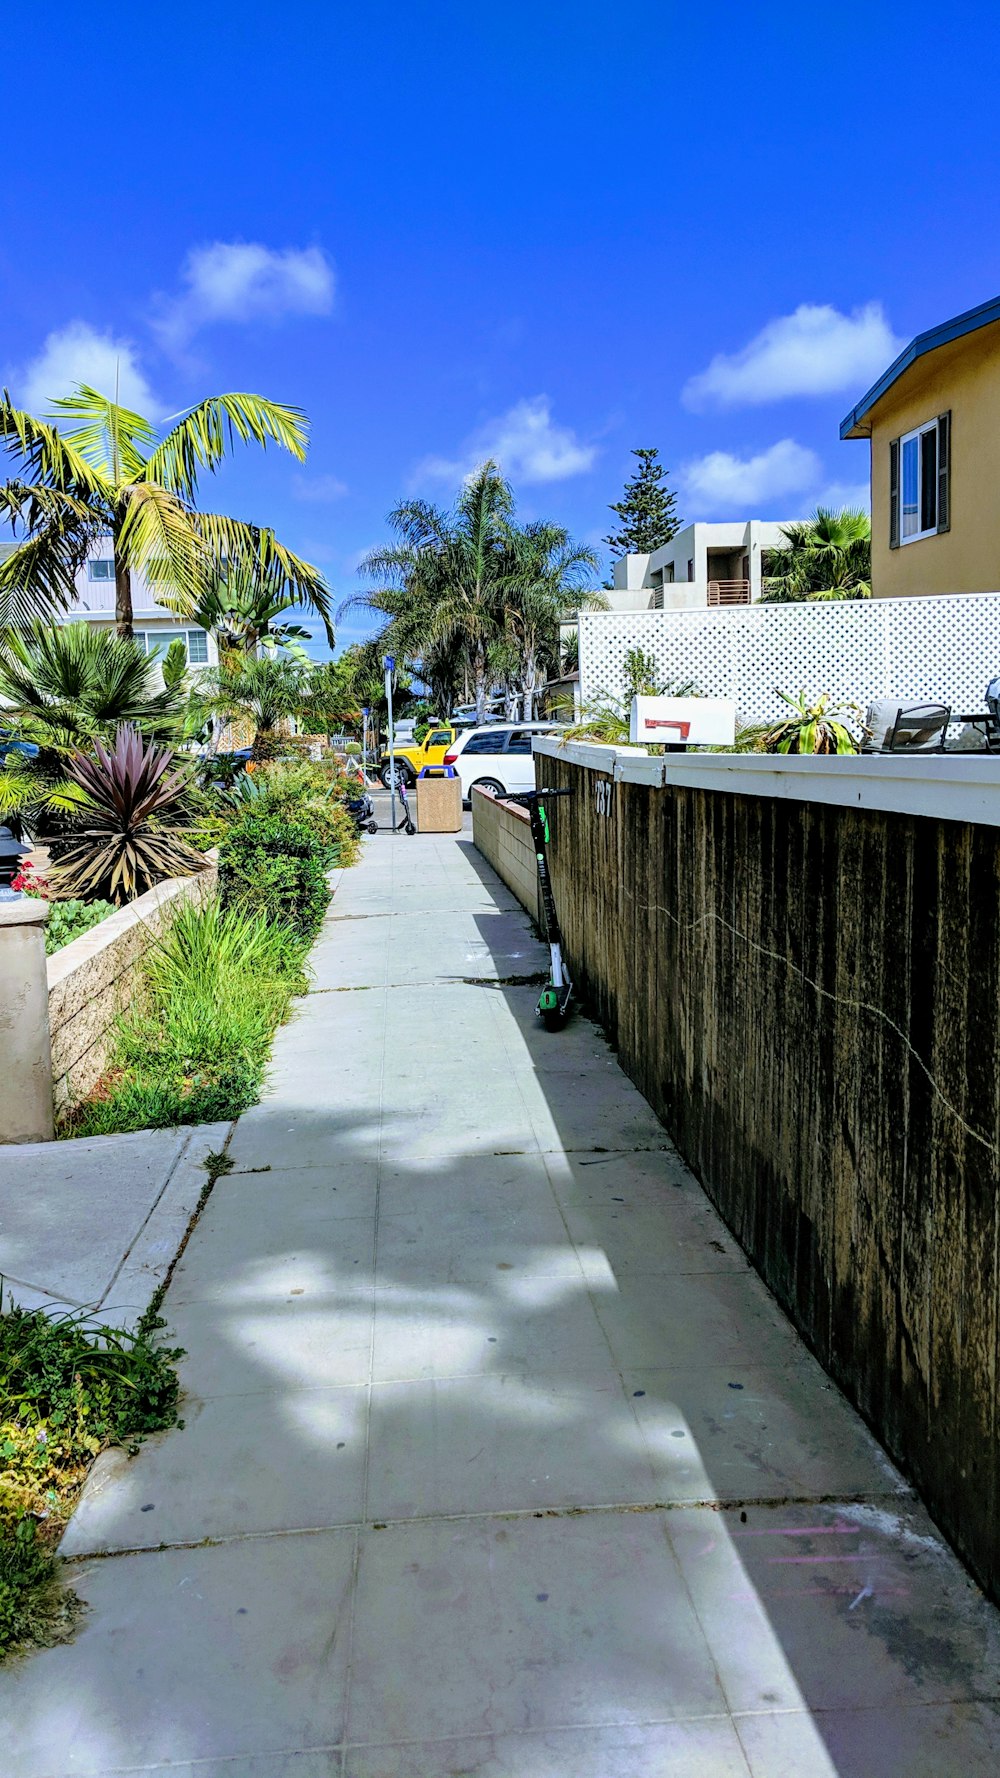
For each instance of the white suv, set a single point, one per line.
(498, 757)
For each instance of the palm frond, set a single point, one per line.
(32, 504)
(38, 578)
(279, 570)
(111, 437)
(159, 534)
(202, 437)
(67, 683)
(48, 457)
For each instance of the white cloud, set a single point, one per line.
(815, 351)
(722, 483)
(78, 353)
(319, 489)
(837, 495)
(245, 281)
(525, 441)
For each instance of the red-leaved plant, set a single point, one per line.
(136, 833)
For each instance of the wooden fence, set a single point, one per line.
(808, 993)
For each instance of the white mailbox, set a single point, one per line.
(686, 722)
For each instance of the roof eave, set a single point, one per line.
(857, 424)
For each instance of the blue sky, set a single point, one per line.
(551, 232)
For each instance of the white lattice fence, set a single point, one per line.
(919, 650)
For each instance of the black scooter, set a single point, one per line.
(555, 997)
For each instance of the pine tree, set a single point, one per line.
(647, 510)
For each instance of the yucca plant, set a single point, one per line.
(812, 728)
(135, 835)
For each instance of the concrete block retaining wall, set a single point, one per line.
(92, 979)
(807, 991)
(501, 831)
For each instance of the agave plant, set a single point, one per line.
(812, 728)
(134, 807)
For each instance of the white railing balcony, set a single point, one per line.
(729, 592)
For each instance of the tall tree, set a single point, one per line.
(541, 589)
(647, 509)
(827, 557)
(112, 475)
(441, 582)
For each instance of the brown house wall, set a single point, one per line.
(965, 379)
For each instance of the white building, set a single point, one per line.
(704, 565)
(155, 627)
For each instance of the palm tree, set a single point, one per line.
(240, 606)
(262, 691)
(67, 686)
(113, 475)
(541, 589)
(441, 582)
(827, 557)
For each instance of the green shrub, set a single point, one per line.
(194, 1046)
(276, 867)
(68, 919)
(65, 1394)
(307, 792)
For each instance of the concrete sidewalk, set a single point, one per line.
(498, 1459)
(94, 1223)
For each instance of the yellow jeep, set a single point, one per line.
(411, 757)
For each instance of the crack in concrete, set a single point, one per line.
(746, 1503)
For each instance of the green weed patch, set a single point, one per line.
(66, 1394)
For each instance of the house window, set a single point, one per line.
(690, 567)
(158, 641)
(919, 475)
(101, 569)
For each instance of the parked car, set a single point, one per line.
(9, 743)
(412, 756)
(497, 757)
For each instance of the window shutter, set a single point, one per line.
(944, 472)
(894, 494)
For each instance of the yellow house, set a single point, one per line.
(934, 423)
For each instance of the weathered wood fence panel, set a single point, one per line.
(809, 996)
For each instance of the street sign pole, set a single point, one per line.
(389, 663)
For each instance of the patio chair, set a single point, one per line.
(993, 706)
(891, 727)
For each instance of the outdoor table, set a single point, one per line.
(977, 717)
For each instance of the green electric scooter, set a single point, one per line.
(555, 997)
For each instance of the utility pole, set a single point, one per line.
(389, 663)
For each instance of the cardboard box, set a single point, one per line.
(439, 805)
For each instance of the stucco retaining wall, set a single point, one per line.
(501, 831)
(807, 993)
(91, 981)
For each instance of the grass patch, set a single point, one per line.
(194, 1046)
(66, 1394)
